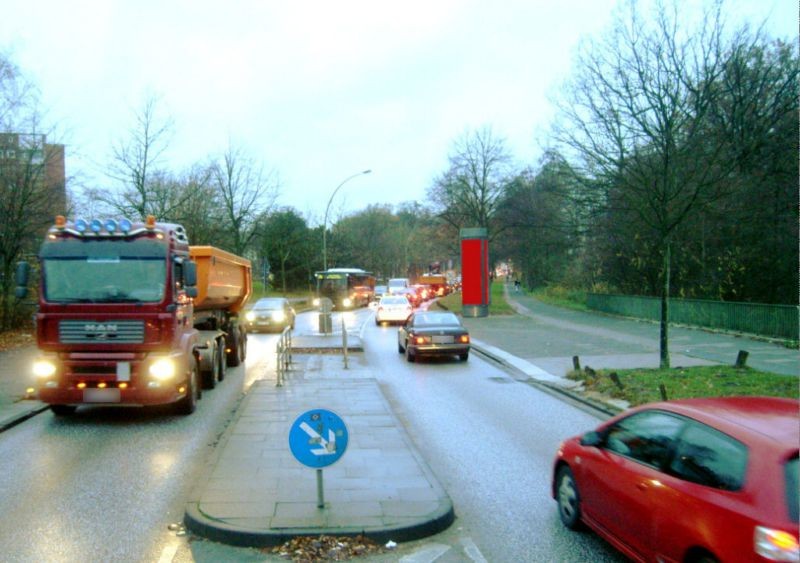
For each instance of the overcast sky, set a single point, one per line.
(318, 90)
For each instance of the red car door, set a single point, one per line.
(622, 484)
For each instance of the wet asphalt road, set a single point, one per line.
(490, 440)
(105, 484)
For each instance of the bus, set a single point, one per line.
(346, 287)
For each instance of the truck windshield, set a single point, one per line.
(104, 280)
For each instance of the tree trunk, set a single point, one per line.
(664, 338)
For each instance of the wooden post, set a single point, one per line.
(741, 358)
(663, 392)
(576, 363)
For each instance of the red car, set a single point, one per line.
(694, 480)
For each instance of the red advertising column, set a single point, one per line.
(474, 272)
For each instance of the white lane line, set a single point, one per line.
(168, 554)
(472, 551)
(426, 554)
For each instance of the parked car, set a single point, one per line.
(433, 333)
(712, 479)
(393, 309)
(270, 314)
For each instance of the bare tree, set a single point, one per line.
(246, 192)
(134, 165)
(636, 117)
(469, 193)
(29, 196)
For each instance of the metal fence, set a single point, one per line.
(774, 321)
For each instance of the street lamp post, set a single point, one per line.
(325, 220)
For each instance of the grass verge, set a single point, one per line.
(638, 386)
(497, 306)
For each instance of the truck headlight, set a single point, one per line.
(347, 301)
(250, 316)
(44, 368)
(278, 316)
(316, 302)
(162, 369)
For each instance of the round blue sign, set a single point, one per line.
(318, 438)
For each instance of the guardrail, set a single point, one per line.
(284, 355)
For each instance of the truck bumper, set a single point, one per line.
(115, 379)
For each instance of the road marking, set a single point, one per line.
(426, 554)
(472, 551)
(168, 554)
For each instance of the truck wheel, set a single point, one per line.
(211, 376)
(63, 410)
(188, 404)
(221, 359)
(243, 346)
(234, 343)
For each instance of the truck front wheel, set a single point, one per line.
(188, 403)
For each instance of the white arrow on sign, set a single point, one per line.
(328, 447)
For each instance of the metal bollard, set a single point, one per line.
(284, 355)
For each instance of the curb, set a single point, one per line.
(221, 532)
(21, 414)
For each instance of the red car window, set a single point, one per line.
(709, 457)
(645, 436)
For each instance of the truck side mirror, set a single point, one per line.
(21, 277)
(189, 274)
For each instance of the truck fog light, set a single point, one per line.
(163, 369)
(51, 384)
(153, 385)
(44, 368)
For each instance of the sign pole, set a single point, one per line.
(320, 492)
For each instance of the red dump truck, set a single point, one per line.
(130, 314)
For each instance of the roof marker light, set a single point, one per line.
(95, 226)
(61, 221)
(150, 223)
(110, 225)
(81, 225)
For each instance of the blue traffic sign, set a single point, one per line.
(318, 438)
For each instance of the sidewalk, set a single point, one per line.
(254, 493)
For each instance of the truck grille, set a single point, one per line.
(94, 332)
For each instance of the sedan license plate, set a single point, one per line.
(101, 396)
(442, 339)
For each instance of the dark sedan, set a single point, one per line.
(430, 333)
(270, 314)
(708, 480)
